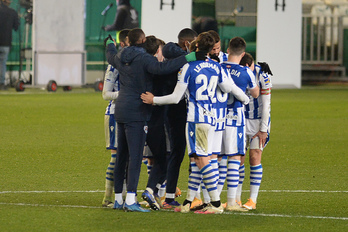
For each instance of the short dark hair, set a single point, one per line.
(151, 45)
(247, 59)
(237, 46)
(134, 35)
(215, 35)
(205, 42)
(123, 35)
(186, 34)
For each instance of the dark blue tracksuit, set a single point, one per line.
(176, 118)
(135, 66)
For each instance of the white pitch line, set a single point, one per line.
(290, 216)
(100, 191)
(248, 214)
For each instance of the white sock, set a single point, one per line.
(119, 198)
(130, 198)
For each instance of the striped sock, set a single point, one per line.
(206, 197)
(232, 180)
(109, 180)
(222, 173)
(210, 182)
(162, 189)
(255, 181)
(240, 184)
(194, 181)
(148, 166)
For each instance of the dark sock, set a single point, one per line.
(169, 200)
(216, 203)
(186, 201)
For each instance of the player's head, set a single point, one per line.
(247, 60)
(236, 46)
(151, 45)
(193, 46)
(123, 2)
(136, 36)
(154, 46)
(6, 2)
(217, 46)
(205, 42)
(185, 37)
(123, 37)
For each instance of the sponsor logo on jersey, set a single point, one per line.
(191, 133)
(112, 128)
(240, 135)
(146, 129)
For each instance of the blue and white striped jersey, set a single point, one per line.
(111, 83)
(221, 103)
(201, 78)
(223, 57)
(244, 78)
(254, 109)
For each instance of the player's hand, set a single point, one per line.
(262, 137)
(265, 68)
(147, 98)
(108, 40)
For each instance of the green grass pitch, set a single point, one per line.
(53, 162)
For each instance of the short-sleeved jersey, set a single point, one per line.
(201, 78)
(244, 78)
(253, 109)
(111, 78)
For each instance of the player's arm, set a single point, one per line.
(109, 84)
(266, 101)
(253, 87)
(172, 98)
(266, 109)
(227, 85)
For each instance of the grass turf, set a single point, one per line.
(53, 163)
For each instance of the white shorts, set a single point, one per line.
(233, 141)
(199, 138)
(110, 128)
(252, 126)
(217, 142)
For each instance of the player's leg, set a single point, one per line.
(241, 181)
(120, 165)
(156, 142)
(235, 149)
(256, 173)
(111, 144)
(135, 133)
(176, 132)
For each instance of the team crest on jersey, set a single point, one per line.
(146, 129)
(228, 66)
